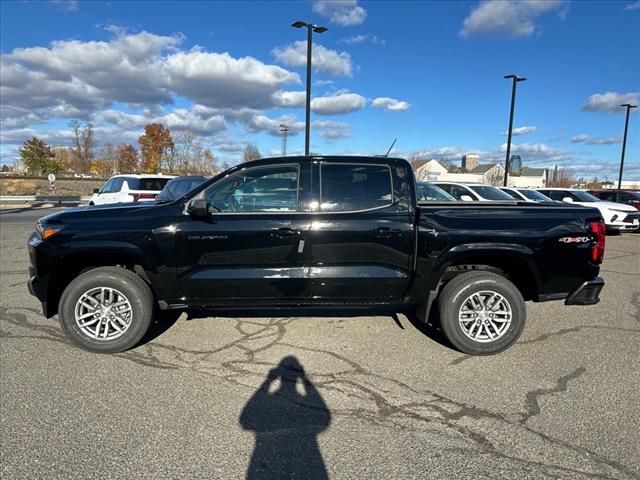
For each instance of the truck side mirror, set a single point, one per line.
(567, 199)
(197, 208)
(466, 198)
(96, 190)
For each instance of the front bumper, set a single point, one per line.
(628, 223)
(587, 293)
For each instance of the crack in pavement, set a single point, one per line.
(533, 396)
(565, 331)
(368, 396)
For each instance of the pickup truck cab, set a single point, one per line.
(314, 231)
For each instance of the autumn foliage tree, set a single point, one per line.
(156, 148)
(38, 157)
(126, 158)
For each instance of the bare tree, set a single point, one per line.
(251, 152)
(563, 178)
(186, 150)
(83, 146)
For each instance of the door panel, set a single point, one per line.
(364, 253)
(242, 256)
(252, 247)
(360, 255)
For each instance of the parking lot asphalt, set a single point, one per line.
(344, 395)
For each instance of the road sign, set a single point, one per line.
(51, 177)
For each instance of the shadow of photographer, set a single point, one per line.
(286, 423)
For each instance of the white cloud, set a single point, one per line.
(323, 59)
(338, 103)
(330, 130)
(263, 123)
(342, 12)
(390, 104)
(633, 6)
(66, 5)
(583, 138)
(609, 102)
(358, 39)
(73, 78)
(289, 99)
(196, 120)
(217, 79)
(537, 152)
(515, 18)
(520, 131)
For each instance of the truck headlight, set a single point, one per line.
(47, 229)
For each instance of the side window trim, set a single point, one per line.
(320, 184)
(298, 210)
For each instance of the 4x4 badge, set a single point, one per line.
(575, 239)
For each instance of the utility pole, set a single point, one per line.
(310, 29)
(515, 79)
(628, 106)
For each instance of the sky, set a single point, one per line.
(429, 74)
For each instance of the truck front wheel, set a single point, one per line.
(106, 309)
(481, 313)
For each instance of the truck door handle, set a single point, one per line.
(284, 232)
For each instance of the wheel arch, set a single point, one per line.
(83, 258)
(514, 262)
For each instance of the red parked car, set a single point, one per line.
(627, 196)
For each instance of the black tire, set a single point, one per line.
(128, 284)
(455, 294)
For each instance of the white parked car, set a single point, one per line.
(130, 188)
(474, 192)
(618, 217)
(526, 195)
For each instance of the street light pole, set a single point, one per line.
(515, 79)
(310, 29)
(628, 106)
(284, 129)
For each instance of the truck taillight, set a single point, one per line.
(598, 230)
(143, 196)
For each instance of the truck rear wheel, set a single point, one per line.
(481, 313)
(106, 309)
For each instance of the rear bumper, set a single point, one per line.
(587, 293)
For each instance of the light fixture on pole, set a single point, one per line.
(515, 79)
(628, 106)
(284, 129)
(310, 29)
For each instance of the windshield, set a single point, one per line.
(490, 193)
(535, 196)
(431, 193)
(584, 196)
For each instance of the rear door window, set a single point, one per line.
(456, 191)
(351, 187)
(555, 194)
(152, 184)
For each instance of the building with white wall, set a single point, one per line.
(491, 173)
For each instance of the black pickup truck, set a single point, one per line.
(314, 231)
